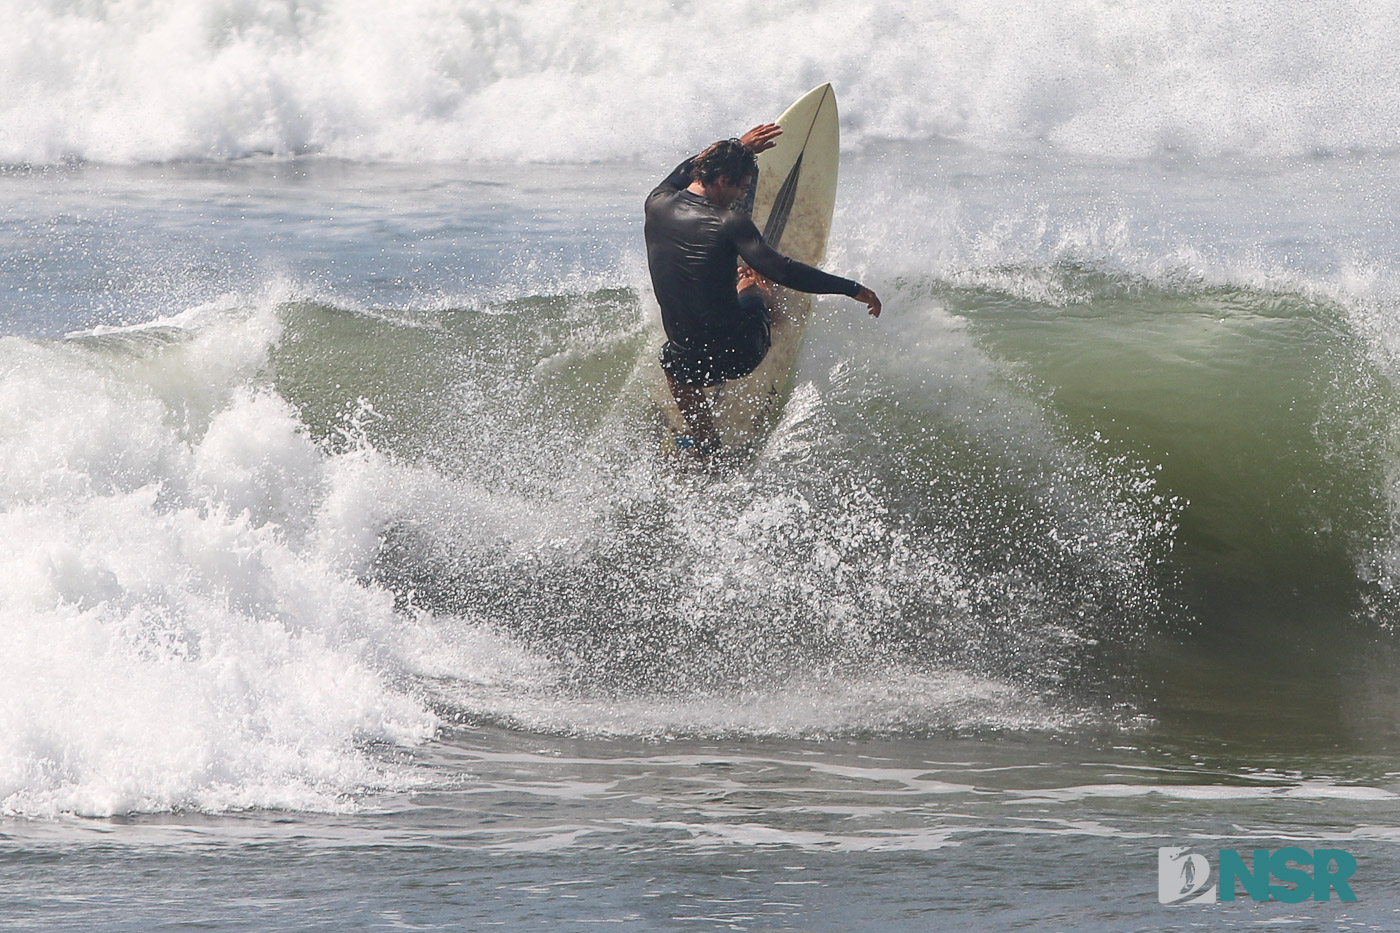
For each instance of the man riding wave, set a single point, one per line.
(718, 329)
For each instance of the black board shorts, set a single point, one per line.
(740, 353)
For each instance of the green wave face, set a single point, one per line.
(1214, 448)
(1268, 415)
(1077, 492)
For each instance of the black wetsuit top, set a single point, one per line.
(693, 248)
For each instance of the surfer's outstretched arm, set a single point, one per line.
(798, 276)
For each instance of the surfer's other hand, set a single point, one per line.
(761, 137)
(868, 298)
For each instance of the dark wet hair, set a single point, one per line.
(727, 158)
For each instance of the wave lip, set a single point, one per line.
(226, 590)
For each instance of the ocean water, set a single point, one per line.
(342, 587)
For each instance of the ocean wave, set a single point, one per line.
(254, 545)
(572, 80)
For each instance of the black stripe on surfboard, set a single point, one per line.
(787, 194)
(782, 205)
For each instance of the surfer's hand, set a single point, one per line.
(760, 138)
(868, 298)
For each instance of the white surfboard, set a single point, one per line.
(793, 204)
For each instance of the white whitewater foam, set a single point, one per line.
(187, 582)
(184, 630)
(893, 702)
(575, 80)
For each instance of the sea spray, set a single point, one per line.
(276, 535)
(573, 80)
(182, 635)
(832, 556)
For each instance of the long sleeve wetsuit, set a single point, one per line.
(693, 248)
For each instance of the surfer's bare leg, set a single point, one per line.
(695, 408)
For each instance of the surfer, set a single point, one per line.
(717, 328)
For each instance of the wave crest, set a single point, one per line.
(573, 80)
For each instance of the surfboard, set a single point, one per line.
(793, 205)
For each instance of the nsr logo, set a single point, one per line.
(1182, 875)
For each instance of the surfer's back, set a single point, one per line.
(692, 256)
